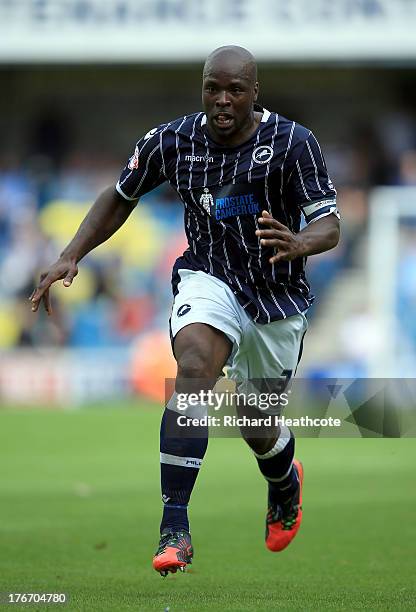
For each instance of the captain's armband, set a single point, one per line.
(318, 209)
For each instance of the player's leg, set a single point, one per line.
(201, 353)
(271, 352)
(205, 330)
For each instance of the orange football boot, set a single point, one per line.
(174, 553)
(282, 523)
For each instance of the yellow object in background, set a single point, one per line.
(82, 288)
(138, 242)
(61, 219)
(9, 326)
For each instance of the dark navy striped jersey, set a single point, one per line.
(224, 189)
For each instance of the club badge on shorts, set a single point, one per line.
(183, 310)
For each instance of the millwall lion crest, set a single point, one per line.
(206, 200)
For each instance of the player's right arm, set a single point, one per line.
(105, 217)
(142, 173)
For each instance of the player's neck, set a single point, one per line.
(244, 133)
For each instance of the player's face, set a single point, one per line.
(228, 99)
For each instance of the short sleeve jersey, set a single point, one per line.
(280, 169)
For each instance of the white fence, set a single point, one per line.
(49, 378)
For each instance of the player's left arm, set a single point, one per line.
(309, 189)
(317, 237)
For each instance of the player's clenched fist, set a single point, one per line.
(276, 235)
(64, 269)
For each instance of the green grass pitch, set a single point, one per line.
(80, 509)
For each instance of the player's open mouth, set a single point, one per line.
(223, 120)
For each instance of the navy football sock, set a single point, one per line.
(277, 467)
(181, 452)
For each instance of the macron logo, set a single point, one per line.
(199, 158)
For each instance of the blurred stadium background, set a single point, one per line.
(80, 82)
(83, 80)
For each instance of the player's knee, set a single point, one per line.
(195, 365)
(259, 445)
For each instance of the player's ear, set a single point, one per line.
(256, 91)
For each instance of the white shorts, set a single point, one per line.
(259, 351)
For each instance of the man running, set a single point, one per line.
(245, 176)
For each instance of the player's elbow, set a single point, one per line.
(335, 236)
(334, 233)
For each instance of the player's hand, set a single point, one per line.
(274, 234)
(65, 269)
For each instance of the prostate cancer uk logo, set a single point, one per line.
(233, 206)
(229, 206)
(262, 154)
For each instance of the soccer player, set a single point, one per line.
(245, 176)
